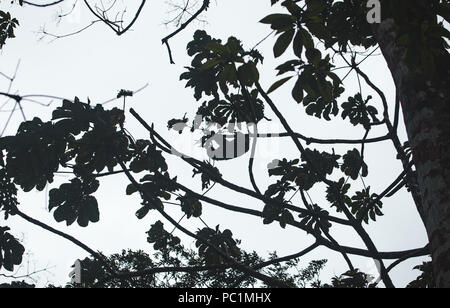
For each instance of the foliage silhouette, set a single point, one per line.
(225, 77)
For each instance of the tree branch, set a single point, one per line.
(358, 228)
(159, 270)
(194, 16)
(201, 166)
(277, 261)
(78, 243)
(43, 5)
(269, 280)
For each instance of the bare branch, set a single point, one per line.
(166, 39)
(70, 238)
(43, 5)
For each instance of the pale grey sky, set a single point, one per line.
(97, 64)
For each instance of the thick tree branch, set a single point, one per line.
(327, 233)
(411, 177)
(70, 238)
(277, 261)
(348, 250)
(269, 280)
(311, 140)
(358, 228)
(201, 166)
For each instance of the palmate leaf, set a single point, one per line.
(213, 65)
(321, 92)
(354, 165)
(202, 81)
(34, 154)
(147, 158)
(156, 188)
(125, 93)
(274, 212)
(279, 189)
(314, 223)
(426, 279)
(155, 191)
(95, 138)
(248, 74)
(191, 206)
(321, 163)
(317, 165)
(160, 238)
(366, 206)
(11, 251)
(316, 87)
(359, 112)
(229, 76)
(235, 110)
(8, 193)
(222, 240)
(218, 66)
(7, 27)
(99, 149)
(73, 202)
(337, 195)
(292, 172)
(347, 23)
(209, 174)
(102, 142)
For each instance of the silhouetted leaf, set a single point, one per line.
(191, 206)
(337, 195)
(359, 112)
(73, 202)
(354, 164)
(223, 240)
(11, 251)
(366, 206)
(161, 239)
(297, 91)
(283, 42)
(278, 84)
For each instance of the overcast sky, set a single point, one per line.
(97, 64)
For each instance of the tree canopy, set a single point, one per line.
(90, 142)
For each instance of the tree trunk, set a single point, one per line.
(427, 117)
